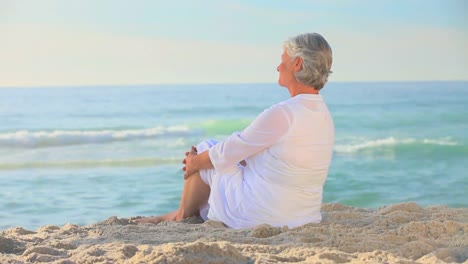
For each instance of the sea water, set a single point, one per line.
(82, 154)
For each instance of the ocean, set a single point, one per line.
(82, 154)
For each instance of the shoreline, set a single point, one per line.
(399, 233)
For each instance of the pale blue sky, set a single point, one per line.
(105, 42)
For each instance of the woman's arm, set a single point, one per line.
(269, 127)
(266, 130)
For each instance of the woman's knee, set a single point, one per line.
(205, 145)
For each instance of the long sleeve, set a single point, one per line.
(267, 129)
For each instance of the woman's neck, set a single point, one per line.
(299, 88)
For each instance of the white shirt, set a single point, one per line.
(288, 150)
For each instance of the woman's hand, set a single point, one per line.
(190, 163)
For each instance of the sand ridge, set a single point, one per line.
(400, 233)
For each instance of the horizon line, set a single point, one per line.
(220, 83)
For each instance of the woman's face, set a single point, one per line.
(286, 70)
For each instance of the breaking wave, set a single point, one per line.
(392, 142)
(29, 139)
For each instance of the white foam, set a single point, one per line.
(27, 139)
(442, 142)
(391, 141)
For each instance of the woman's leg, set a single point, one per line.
(194, 196)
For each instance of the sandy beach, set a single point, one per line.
(400, 233)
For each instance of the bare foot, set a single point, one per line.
(157, 219)
(149, 220)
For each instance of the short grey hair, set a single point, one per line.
(316, 55)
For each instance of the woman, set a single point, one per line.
(273, 171)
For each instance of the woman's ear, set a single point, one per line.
(297, 64)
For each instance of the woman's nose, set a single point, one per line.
(277, 68)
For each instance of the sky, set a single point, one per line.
(138, 42)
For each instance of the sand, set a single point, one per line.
(400, 233)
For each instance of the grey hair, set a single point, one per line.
(316, 55)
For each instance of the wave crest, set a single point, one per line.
(391, 142)
(27, 139)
